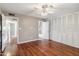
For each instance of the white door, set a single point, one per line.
(43, 29)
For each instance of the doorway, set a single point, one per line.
(11, 30)
(43, 29)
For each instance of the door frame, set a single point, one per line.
(48, 28)
(8, 24)
(9, 19)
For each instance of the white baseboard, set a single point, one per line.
(67, 44)
(27, 41)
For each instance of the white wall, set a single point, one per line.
(65, 29)
(0, 11)
(28, 28)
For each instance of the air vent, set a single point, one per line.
(11, 14)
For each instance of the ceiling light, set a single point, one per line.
(45, 9)
(43, 13)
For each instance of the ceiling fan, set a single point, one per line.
(44, 9)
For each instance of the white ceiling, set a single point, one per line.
(27, 8)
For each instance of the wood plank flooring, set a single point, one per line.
(46, 48)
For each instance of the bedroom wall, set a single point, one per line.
(28, 28)
(65, 29)
(0, 11)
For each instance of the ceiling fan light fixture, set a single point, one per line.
(45, 9)
(44, 14)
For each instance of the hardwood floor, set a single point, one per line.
(46, 48)
(11, 48)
